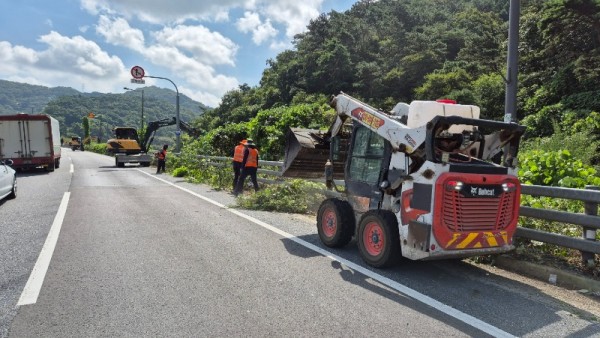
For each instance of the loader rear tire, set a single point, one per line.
(335, 222)
(379, 238)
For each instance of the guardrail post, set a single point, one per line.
(591, 208)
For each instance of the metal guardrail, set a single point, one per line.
(589, 221)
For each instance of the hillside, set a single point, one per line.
(16, 97)
(70, 106)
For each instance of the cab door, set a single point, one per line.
(366, 166)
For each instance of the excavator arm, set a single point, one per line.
(151, 129)
(193, 132)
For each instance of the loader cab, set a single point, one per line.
(368, 159)
(126, 133)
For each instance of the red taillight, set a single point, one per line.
(509, 187)
(454, 185)
(446, 101)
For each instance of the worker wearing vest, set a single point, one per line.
(238, 158)
(249, 167)
(162, 159)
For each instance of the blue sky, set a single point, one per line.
(205, 47)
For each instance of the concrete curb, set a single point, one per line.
(543, 273)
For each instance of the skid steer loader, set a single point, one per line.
(429, 180)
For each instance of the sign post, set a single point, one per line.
(138, 74)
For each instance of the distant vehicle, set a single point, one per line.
(8, 180)
(76, 143)
(30, 141)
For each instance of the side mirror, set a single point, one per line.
(8, 162)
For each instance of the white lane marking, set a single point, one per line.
(448, 310)
(72, 169)
(36, 278)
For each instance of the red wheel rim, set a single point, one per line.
(373, 238)
(329, 223)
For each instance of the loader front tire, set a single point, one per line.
(379, 238)
(335, 222)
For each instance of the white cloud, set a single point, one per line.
(66, 61)
(195, 73)
(294, 15)
(11, 57)
(160, 11)
(205, 46)
(118, 32)
(261, 32)
(77, 55)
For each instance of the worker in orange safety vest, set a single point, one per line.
(238, 158)
(161, 157)
(249, 167)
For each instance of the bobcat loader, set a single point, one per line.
(429, 180)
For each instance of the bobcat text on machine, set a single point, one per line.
(429, 180)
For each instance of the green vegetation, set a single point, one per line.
(99, 148)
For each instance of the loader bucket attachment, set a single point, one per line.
(306, 153)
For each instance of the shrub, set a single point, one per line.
(180, 172)
(557, 168)
(217, 177)
(553, 168)
(99, 148)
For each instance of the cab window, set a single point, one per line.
(367, 156)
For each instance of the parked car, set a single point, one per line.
(8, 180)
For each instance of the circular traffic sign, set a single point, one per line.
(137, 72)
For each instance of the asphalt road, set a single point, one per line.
(140, 254)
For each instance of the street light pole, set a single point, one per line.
(142, 124)
(178, 131)
(142, 109)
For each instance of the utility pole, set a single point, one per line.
(512, 63)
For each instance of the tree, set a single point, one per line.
(438, 85)
(86, 128)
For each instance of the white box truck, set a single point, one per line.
(30, 141)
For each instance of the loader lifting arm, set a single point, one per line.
(401, 137)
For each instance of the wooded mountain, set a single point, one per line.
(69, 106)
(389, 51)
